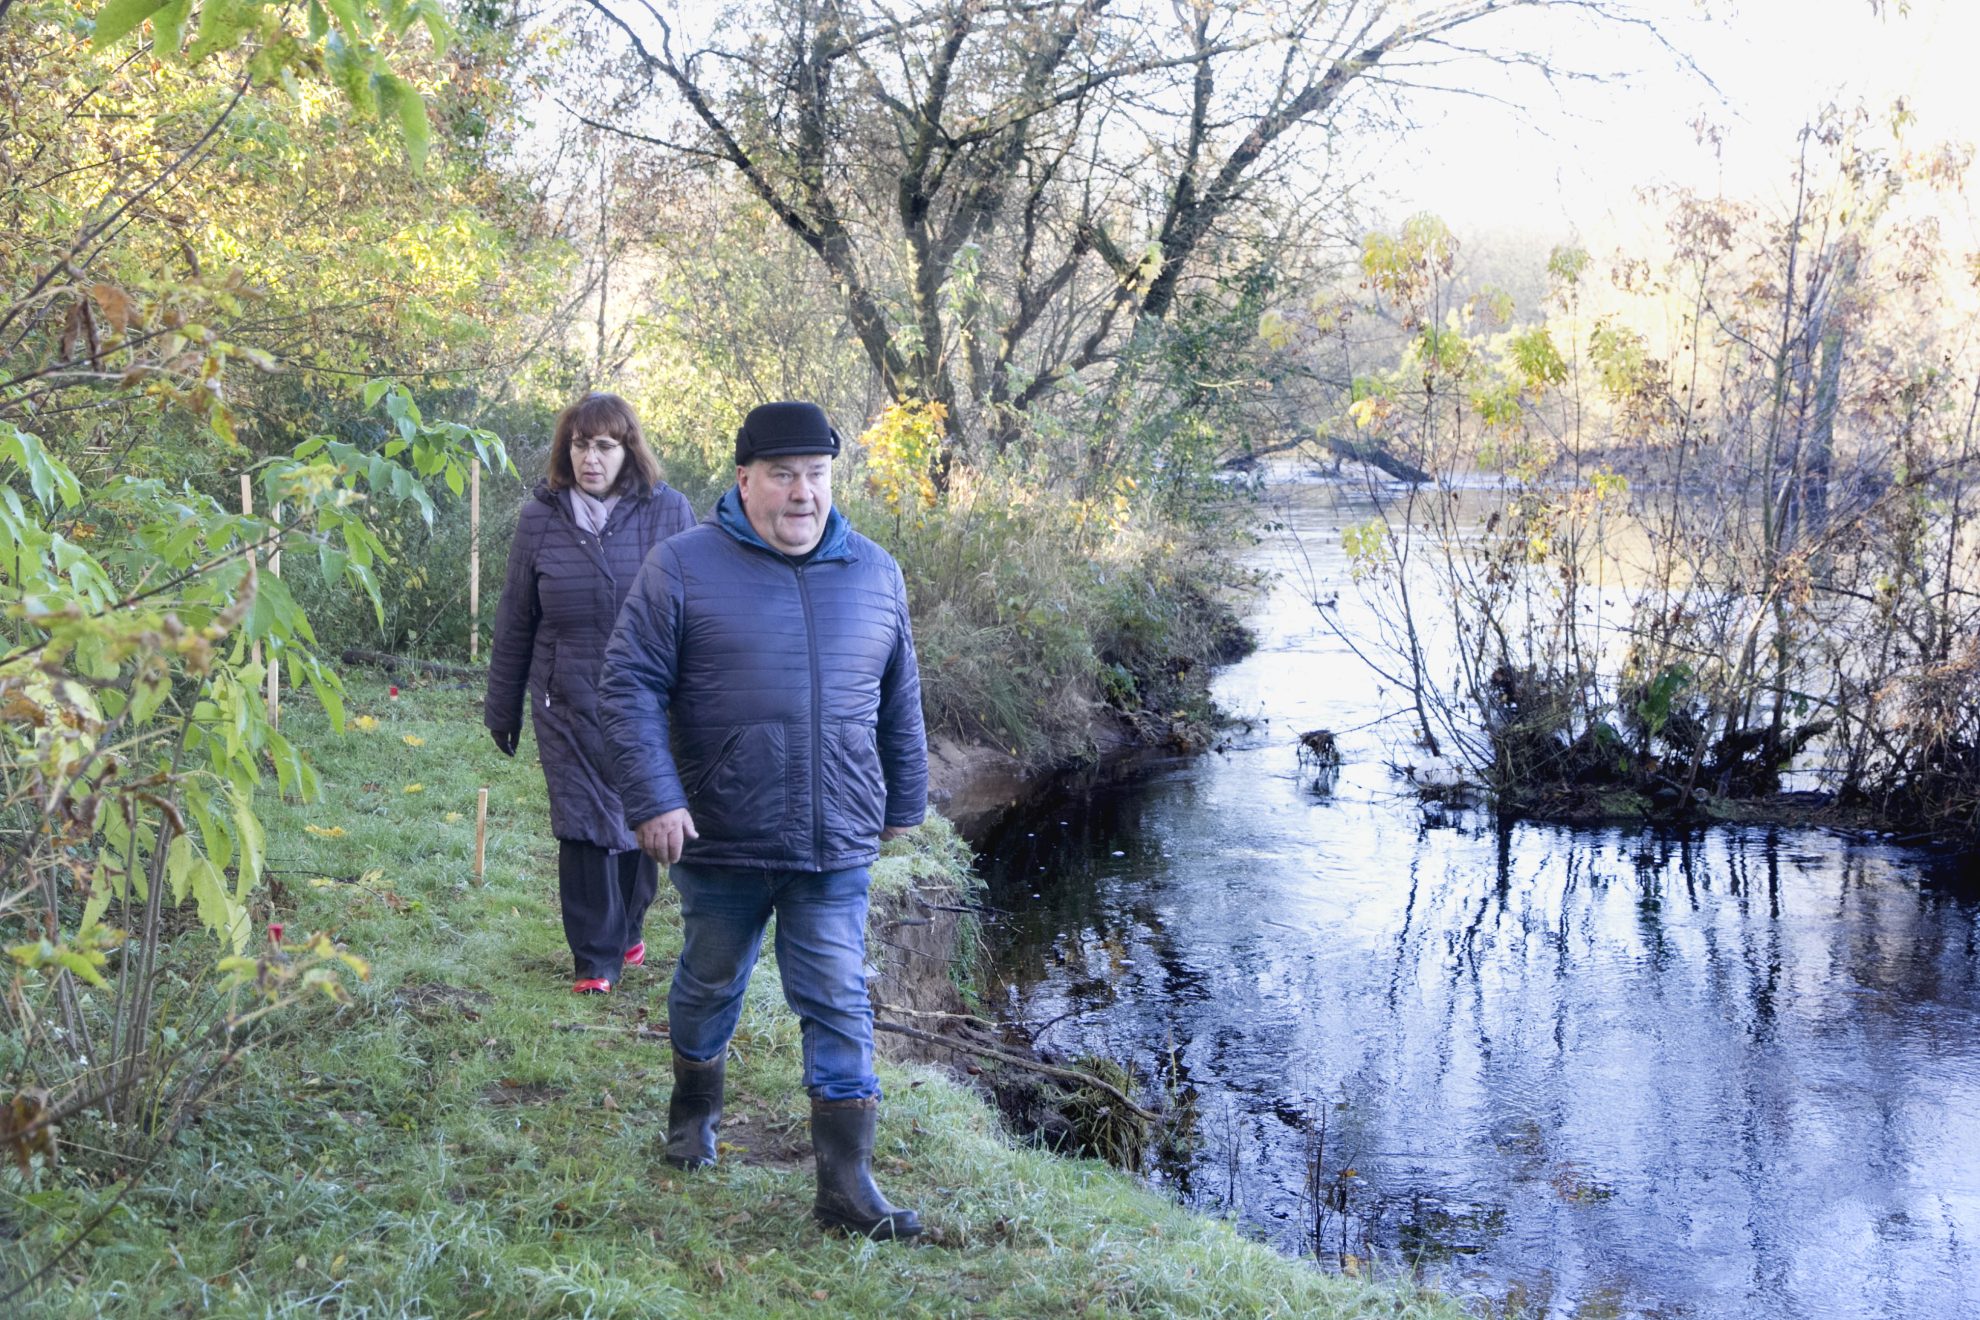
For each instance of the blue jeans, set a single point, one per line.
(821, 955)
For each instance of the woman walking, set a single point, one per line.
(580, 538)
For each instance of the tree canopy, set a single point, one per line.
(1010, 196)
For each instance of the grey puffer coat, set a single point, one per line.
(561, 595)
(778, 701)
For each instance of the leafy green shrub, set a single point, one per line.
(137, 735)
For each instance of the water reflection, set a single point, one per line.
(1607, 1072)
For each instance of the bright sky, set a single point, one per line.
(1575, 159)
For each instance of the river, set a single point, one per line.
(1553, 1071)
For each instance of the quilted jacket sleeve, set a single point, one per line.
(679, 515)
(637, 686)
(903, 740)
(514, 636)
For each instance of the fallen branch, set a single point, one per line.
(898, 947)
(970, 1018)
(1072, 1075)
(1375, 456)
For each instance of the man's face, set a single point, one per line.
(787, 499)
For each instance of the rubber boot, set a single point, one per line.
(694, 1111)
(842, 1136)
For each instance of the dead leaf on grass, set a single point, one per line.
(25, 1129)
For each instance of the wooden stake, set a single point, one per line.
(247, 511)
(474, 563)
(274, 663)
(481, 837)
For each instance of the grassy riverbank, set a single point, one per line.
(467, 1139)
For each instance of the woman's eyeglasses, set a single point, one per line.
(602, 448)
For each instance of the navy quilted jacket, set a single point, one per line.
(562, 592)
(778, 702)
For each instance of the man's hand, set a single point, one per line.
(663, 837)
(505, 740)
(896, 832)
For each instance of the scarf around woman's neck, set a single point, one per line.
(590, 511)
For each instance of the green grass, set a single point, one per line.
(444, 1146)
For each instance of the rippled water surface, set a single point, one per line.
(1733, 1072)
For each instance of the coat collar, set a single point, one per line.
(560, 501)
(836, 543)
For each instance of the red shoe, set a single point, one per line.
(636, 955)
(592, 985)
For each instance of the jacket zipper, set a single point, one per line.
(817, 727)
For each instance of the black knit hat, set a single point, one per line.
(773, 430)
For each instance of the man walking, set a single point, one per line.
(762, 710)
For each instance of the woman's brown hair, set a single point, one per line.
(603, 414)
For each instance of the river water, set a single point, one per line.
(1556, 1072)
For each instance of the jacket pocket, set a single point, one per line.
(737, 788)
(861, 802)
(547, 680)
(706, 773)
(574, 679)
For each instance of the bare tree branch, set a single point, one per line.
(893, 141)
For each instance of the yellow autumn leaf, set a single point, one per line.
(452, 818)
(415, 788)
(1362, 411)
(413, 740)
(323, 832)
(364, 724)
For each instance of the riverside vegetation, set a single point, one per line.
(1680, 532)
